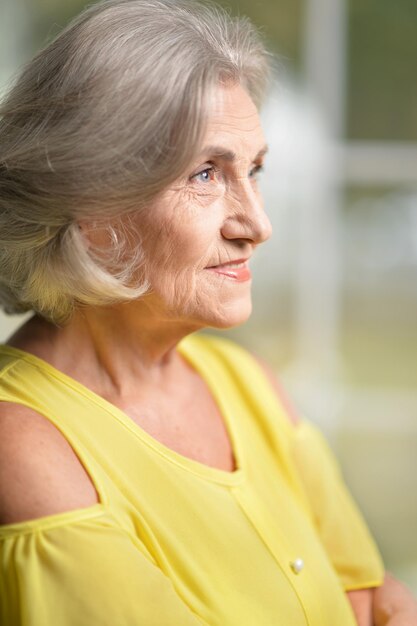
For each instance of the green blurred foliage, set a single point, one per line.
(280, 21)
(382, 76)
(50, 16)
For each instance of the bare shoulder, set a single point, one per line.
(282, 396)
(40, 474)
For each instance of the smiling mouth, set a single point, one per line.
(237, 270)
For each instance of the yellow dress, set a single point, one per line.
(172, 541)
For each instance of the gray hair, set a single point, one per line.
(96, 126)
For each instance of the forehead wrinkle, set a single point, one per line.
(234, 121)
(229, 125)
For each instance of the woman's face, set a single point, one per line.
(200, 234)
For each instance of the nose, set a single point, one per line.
(245, 216)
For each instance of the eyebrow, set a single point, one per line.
(227, 155)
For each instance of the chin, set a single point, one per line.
(233, 316)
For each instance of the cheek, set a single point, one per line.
(181, 237)
(175, 257)
(184, 245)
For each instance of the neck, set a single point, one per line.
(120, 346)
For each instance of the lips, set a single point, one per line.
(237, 270)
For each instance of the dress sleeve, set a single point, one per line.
(86, 572)
(340, 525)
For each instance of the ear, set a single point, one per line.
(95, 233)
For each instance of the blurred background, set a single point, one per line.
(335, 289)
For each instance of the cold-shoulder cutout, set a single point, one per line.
(40, 473)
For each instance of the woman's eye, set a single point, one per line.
(209, 174)
(206, 175)
(255, 171)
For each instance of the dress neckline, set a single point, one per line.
(190, 350)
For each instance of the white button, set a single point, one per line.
(297, 565)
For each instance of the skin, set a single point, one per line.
(393, 604)
(211, 215)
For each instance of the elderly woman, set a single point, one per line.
(150, 476)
